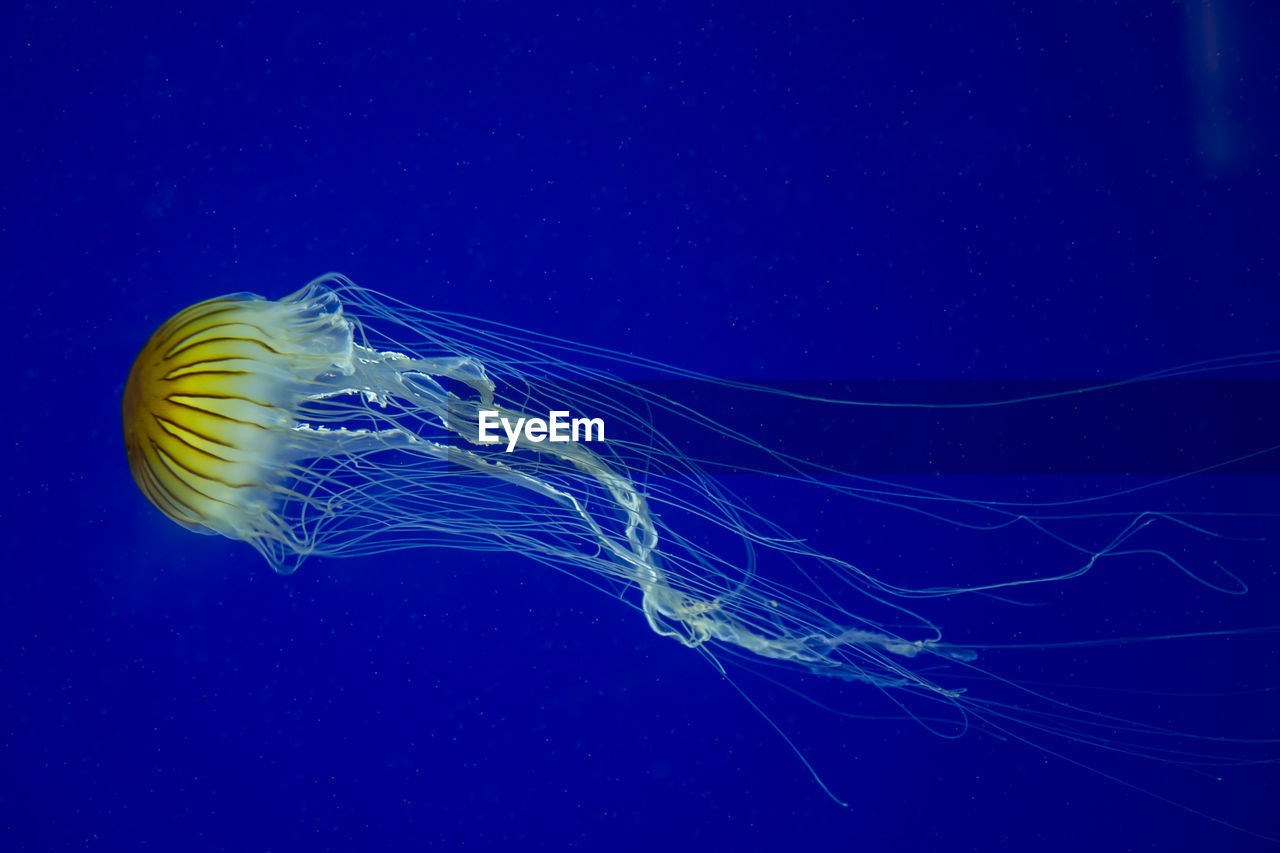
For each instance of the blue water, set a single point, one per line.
(763, 192)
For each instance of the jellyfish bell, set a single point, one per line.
(207, 405)
(213, 412)
(339, 422)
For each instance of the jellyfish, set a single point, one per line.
(267, 422)
(338, 422)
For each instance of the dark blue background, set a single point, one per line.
(773, 191)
